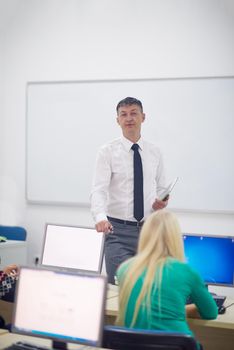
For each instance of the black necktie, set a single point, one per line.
(138, 208)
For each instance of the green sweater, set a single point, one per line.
(179, 281)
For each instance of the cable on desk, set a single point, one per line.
(229, 305)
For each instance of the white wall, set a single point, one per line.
(1, 99)
(106, 39)
(2, 117)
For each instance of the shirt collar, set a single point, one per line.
(128, 144)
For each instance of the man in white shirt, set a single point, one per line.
(112, 196)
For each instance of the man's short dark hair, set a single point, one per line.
(128, 101)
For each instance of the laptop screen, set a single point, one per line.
(62, 306)
(80, 248)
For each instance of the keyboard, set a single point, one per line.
(25, 346)
(29, 346)
(219, 299)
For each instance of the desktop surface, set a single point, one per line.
(223, 321)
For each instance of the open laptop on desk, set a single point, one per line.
(73, 247)
(62, 306)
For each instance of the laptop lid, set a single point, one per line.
(64, 306)
(75, 247)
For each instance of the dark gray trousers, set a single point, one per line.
(119, 246)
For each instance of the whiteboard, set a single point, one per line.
(191, 120)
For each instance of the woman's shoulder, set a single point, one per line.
(179, 265)
(183, 268)
(173, 262)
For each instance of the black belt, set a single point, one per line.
(126, 222)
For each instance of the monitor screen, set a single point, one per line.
(74, 247)
(62, 306)
(212, 257)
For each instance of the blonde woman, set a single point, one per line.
(155, 284)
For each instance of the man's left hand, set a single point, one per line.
(159, 204)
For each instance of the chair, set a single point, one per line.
(16, 233)
(122, 338)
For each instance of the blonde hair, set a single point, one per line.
(159, 239)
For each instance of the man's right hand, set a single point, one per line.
(104, 226)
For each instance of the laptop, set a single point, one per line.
(64, 306)
(73, 247)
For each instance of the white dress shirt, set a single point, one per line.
(112, 190)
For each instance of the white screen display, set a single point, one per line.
(59, 305)
(73, 247)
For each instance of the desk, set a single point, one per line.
(7, 339)
(216, 334)
(6, 310)
(213, 334)
(3, 331)
(13, 252)
(112, 291)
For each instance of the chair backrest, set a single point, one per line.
(122, 338)
(16, 233)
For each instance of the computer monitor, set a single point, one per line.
(212, 256)
(63, 306)
(74, 247)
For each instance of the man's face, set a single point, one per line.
(130, 118)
